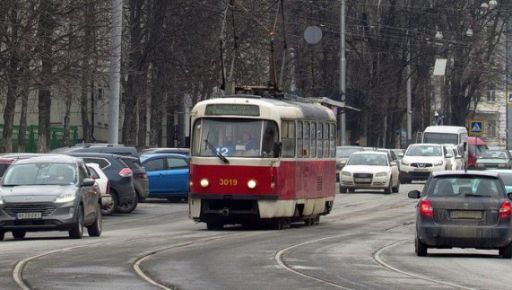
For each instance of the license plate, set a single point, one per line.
(29, 215)
(363, 180)
(465, 214)
(422, 170)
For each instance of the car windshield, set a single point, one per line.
(368, 159)
(440, 138)
(346, 152)
(234, 138)
(451, 186)
(424, 150)
(491, 154)
(40, 174)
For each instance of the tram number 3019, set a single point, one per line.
(228, 182)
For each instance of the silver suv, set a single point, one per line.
(49, 193)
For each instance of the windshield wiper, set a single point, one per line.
(217, 153)
(474, 195)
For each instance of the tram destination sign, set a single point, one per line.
(232, 110)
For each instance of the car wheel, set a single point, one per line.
(351, 190)
(77, 230)
(389, 189)
(404, 180)
(506, 252)
(94, 230)
(108, 210)
(420, 248)
(397, 188)
(18, 234)
(128, 207)
(343, 189)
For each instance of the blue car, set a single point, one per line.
(167, 175)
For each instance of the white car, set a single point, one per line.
(369, 170)
(107, 204)
(420, 160)
(454, 159)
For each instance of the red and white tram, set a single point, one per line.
(261, 160)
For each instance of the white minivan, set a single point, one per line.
(456, 135)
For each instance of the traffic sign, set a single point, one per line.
(476, 127)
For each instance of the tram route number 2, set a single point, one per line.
(228, 182)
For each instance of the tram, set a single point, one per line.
(260, 160)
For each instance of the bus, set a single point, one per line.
(261, 161)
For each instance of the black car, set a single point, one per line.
(120, 177)
(99, 148)
(463, 210)
(140, 178)
(49, 193)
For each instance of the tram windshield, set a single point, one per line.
(234, 138)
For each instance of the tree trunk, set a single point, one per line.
(12, 86)
(143, 119)
(157, 98)
(45, 32)
(66, 140)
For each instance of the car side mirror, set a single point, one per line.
(87, 182)
(509, 195)
(448, 155)
(393, 163)
(458, 156)
(400, 154)
(414, 194)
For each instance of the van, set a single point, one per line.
(476, 146)
(445, 135)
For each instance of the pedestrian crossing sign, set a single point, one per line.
(476, 127)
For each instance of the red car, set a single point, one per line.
(476, 147)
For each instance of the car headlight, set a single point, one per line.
(440, 162)
(381, 174)
(346, 173)
(66, 197)
(502, 165)
(405, 163)
(1, 200)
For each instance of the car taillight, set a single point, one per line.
(125, 172)
(425, 208)
(505, 210)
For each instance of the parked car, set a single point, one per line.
(107, 205)
(369, 170)
(494, 159)
(140, 177)
(120, 176)
(49, 193)
(7, 159)
(342, 155)
(99, 148)
(459, 209)
(185, 151)
(168, 175)
(420, 160)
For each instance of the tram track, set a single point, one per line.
(376, 256)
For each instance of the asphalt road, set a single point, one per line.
(365, 243)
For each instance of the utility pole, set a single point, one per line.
(115, 71)
(343, 66)
(508, 64)
(408, 93)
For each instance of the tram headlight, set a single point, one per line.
(251, 184)
(204, 182)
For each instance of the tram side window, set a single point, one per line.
(332, 140)
(326, 140)
(319, 138)
(196, 137)
(306, 140)
(288, 149)
(313, 139)
(300, 150)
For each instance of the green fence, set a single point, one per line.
(56, 137)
